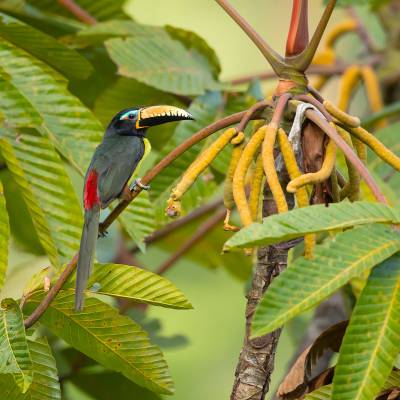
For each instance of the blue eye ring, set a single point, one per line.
(129, 115)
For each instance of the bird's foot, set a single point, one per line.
(137, 184)
(103, 234)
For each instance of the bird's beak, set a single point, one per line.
(157, 115)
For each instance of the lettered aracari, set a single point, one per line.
(114, 161)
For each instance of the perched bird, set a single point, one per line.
(123, 147)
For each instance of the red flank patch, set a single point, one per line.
(90, 195)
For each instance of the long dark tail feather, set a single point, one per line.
(86, 253)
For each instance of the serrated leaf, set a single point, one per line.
(69, 124)
(112, 340)
(45, 385)
(4, 237)
(164, 64)
(135, 284)
(14, 352)
(49, 195)
(317, 218)
(99, 9)
(138, 219)
(308, 282)
(204, 109)
(372, 339)
(44, 47)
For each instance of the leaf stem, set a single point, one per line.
(80, 14)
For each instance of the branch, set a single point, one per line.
(193, 240)
(203, 133)
(178, 223)
(303, 60)
(275, 60)
(78, 12)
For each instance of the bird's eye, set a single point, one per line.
(131, 116)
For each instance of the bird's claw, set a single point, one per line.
(103, 234)
(137, 184)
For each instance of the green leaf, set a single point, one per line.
(308, 282)
(164, 64)
(192, 40)
(69, 124)
(323, 393)
(14, 353)
(317, 218)
(204, 109)
(4, 237)
(45, 47)
(45, 385)
(135, 284)
(99, 9)
(112, 340)
(49, 195)
(372, 339)
(16, 109)
(138, 219)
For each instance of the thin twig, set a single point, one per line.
(275, 60)
(78, 12)
(178, 223)
(193, 240)
(349, 153)
(317, 104)
(250, 112)
(203, 133)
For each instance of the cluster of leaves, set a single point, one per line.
(61, 81)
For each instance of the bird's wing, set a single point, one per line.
(115, 164)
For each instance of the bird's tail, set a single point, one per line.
(86, 253)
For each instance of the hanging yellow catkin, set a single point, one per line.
(319, 176)
(348, 82)
(338, 30)
(195, 169)
(301, 194)
(378, 147)
(229, 202)
(373, 91)
(239, 177)
(255, 187)
(346, 119)
(352, 188)
(270, 170)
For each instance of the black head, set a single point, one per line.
(134, 121)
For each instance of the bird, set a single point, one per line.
(114, 161)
